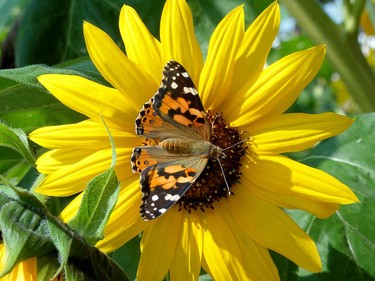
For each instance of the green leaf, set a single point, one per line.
(105, 268)
(97, 204)
(24, 103)
(346, 240)
(47, 266)
(27, 75)
(16, 139)
(62, 22)
(4, 197)
(74, 274)
(62, 239)
(85, 261)
(24, 234)
(97, 266)
(80, 260)
(128, 256)
(20, 194)
(14, 167)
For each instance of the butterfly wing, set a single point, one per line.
(165, 181)
(150, 125)
(176, 105)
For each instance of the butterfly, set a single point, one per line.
(175, 120)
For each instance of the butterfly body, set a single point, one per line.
(175, 120)
(185, 146)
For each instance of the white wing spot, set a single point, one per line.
(155, 198)
(190, 90)
(173, 198)
(185, 74)
(174, 85)
(162, 211)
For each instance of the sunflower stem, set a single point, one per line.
(343, 51)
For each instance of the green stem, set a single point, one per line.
(352, 15)
(343, 50)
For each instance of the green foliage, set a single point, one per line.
(28, 229)
(16, 139)
(349, 235)
(61, 21)
(24, 232)
(346, 240)
(97, 204)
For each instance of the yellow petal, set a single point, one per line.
(273, 229)
(256, 260)
(217, 73)
(91, 99)
(253, 52)
(23, 271)
(178, 39)
(280, 174)
(125, 221)
(60, 158)
(278, 86)
(186, 264)
(294, 201)
(295, 131)
(83, 135)
(70, 179)
(141, 47)
(220, 250)
(259, 263)
(71, 209)
(158, 246)
(136, 85)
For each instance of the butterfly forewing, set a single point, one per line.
(177, 102)
(150, 125)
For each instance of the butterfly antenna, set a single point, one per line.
(235, 144)
(222, 170)
(213, 122)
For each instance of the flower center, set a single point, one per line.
(212, 185)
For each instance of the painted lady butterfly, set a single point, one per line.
(175, 119)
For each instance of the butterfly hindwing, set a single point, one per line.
(165, 181)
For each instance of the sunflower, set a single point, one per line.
(228, 235)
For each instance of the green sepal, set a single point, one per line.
(24, 232)
(80, 260)
(47, 266)
(62, 238)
